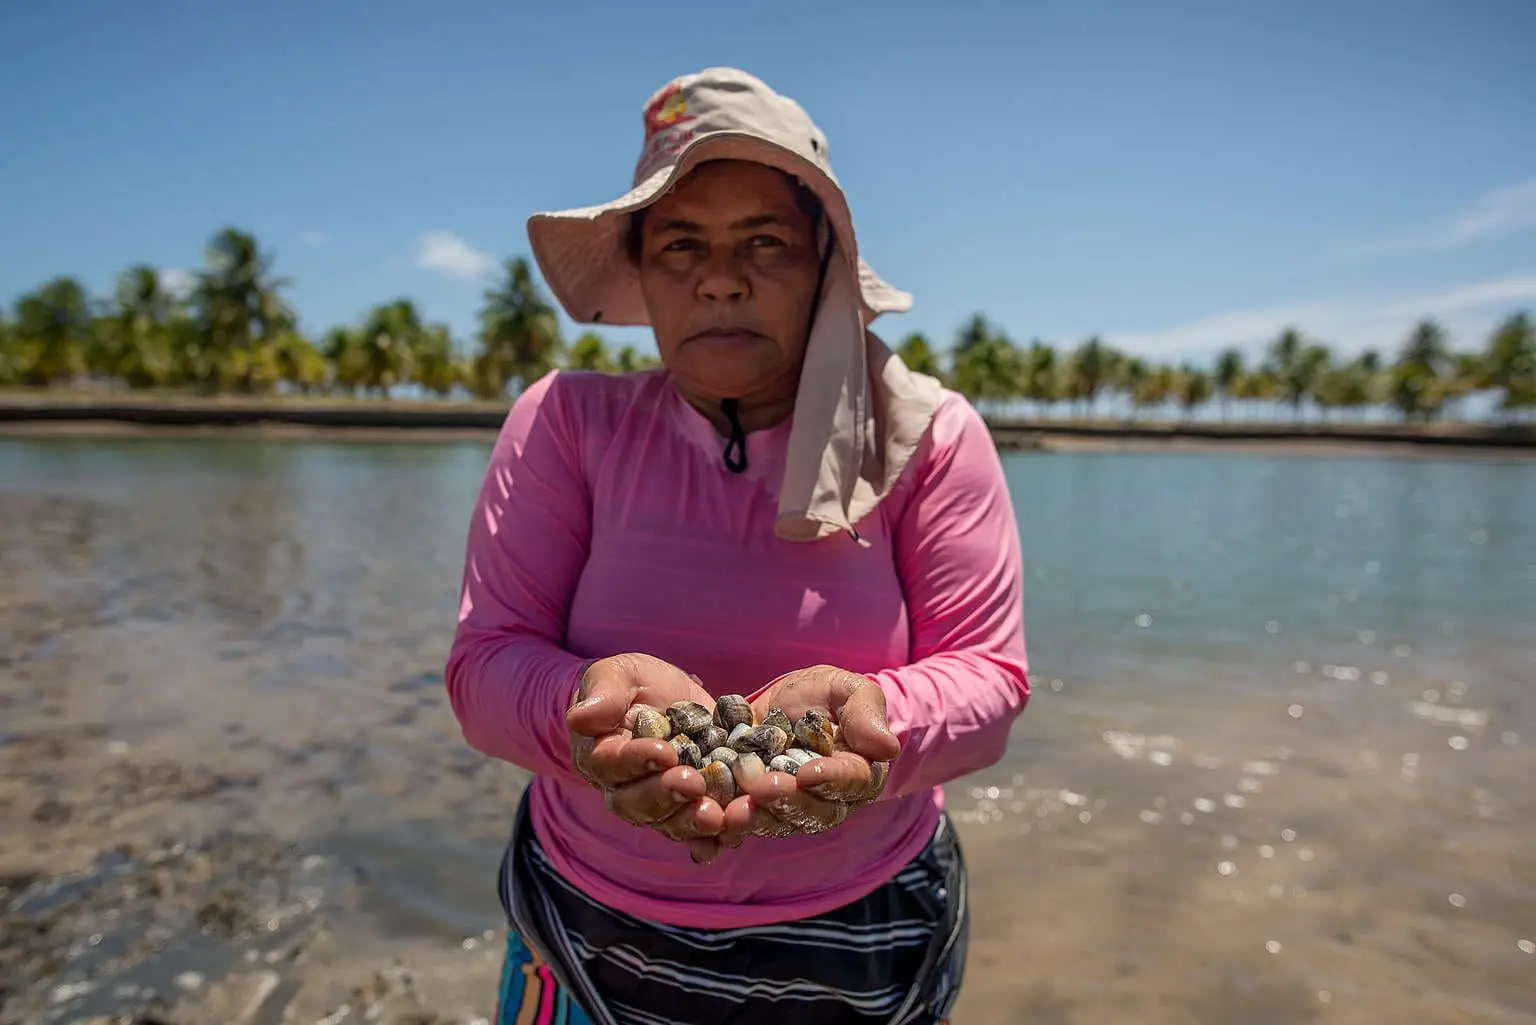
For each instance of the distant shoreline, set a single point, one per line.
(416, 420)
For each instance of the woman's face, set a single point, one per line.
(729, 267)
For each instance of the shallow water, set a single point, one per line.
(1277, 767)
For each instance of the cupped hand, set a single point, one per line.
(640, 777)
(825, 789)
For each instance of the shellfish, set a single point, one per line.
(688, 752)
(816, 732)
(650, 723)
(719, 783)
(732, 710)
(738, 732)
(778, 717)
(727, 755)
(791, 760)
(688, 716)
(747, 768)
(711, 737)
(766, 741)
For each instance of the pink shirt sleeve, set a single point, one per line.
(957, 553)
(509, 679)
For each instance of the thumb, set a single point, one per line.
(863, 727)
(601, 712)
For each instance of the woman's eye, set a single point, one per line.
(764, 240)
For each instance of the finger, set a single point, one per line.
(744, 818)
(602, 710)
(737, 822)
(780, 805)
(843, 776)
(619, 759)
(862, 725)
(700, 820)
(649, 801)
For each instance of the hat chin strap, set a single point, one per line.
(736, 443)
(735, 454)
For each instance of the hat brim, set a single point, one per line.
(582, 254)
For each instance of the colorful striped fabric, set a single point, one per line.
(894, 957)
(529, 994)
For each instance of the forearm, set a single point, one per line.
(952, 712)
(510, 694)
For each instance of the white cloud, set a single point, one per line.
(178, 281)
(1347, 323)
(1511, 208)
(446, 253)
(314, 238)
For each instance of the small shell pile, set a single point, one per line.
(728, 747)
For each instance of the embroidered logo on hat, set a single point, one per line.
(669, 108)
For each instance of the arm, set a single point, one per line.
(509, 680)
(957, 551)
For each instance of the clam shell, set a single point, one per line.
(879, 772)
(747, 767)
(688, 752)
(766, 741)
(815, 732)
(784, 763)
(688, 716)
(650, 723)
(791, 760)
(799, 755)
(731, 710)
(710, 737)
(777, 717)
(727, 755)
(719, 783)
(738, 732)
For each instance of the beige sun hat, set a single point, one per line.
(860, 413)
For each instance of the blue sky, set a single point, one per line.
(1176, 176)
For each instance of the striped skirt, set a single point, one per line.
(895, 957)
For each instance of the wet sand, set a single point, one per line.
(139, 414)
(226, 800)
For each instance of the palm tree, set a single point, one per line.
(239, 307)
(1040, 384)
(1194, 389)
(1296, 366)
(1092, 368)
(519, 332)
(54, 327)
(590, 352)
(388, 344)
(919, 356)
(10, 353)
(1229, 370)
(1133, 379)
(1418, 384)
(989, 370)
(629, 360)
(434, 365)
(1156, 388)
(1511, 363)
(141, 352)
(975, 332)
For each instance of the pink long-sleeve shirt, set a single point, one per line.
(608, 522)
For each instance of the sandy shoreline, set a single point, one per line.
(426, 424)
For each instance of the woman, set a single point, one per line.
(782, 511)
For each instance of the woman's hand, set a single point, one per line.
(820, 796)
(640, 777)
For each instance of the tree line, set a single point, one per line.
(233, 331)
